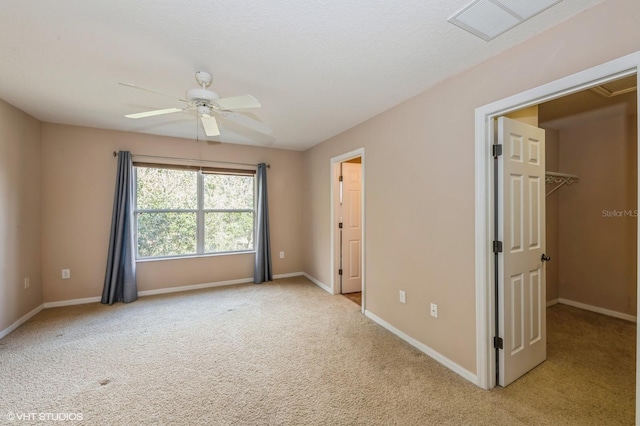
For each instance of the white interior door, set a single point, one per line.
(521, 272)
(351, 227)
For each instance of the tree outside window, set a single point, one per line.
(186, 212)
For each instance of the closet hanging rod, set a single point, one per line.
(191, 160)
(561, 179)
(561, 175)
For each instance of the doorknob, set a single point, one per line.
(545, 258)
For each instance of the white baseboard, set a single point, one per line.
(168, 290)
(425, 349)
(71, 302)
(210, 285)
(292, 274)
(194, 287)
(598, 310)
(552, 302)
(21, 321)
(149, 292)
(318, 283)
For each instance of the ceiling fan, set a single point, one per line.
(208, 104)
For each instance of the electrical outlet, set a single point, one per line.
(434, 310)
(27, 284)
(66, 274)
(281, 255)
(403, 296)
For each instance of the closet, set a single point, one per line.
(591, 203)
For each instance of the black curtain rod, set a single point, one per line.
(115, 154)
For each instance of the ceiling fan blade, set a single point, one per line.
(155, 112)
(210, 125)
(238, 102)
(135, 86)
(247, 122)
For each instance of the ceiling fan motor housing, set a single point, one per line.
(203, 95)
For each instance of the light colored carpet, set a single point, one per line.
(287, 353)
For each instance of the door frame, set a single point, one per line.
(335, 163)
(484, 197)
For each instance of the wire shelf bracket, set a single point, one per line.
(559, 179)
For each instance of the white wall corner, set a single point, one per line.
(318, 283)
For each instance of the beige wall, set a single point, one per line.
(78, 170)
(552, 153)
(527, 115)
(598, 253)
(419, 168)
(19, 214)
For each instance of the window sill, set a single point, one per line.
(195, 256)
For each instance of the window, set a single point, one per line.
(185, 211)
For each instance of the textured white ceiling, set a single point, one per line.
(318, 67)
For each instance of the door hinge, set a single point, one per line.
(340, 179)
(497, 342)
(497, 246)
(496, 150)
(340, 225)
(339, 271)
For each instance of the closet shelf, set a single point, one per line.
(560, 179)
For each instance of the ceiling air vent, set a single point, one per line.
(488, 19)
(617, 87)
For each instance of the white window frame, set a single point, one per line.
(200, 211)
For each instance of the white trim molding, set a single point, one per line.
(485, 294)
(72, 302)
(598, 310)
(144, 293)
(360, 152)
(290, 275)
(424, 349)
(318, 283)
(194, 287)
(21, 321)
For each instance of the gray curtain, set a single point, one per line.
(120, 277)
(262, 271)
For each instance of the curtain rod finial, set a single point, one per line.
(115, 153)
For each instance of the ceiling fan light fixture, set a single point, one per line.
(204, 110)
(208, 104)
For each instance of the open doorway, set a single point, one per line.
(348, 226)
(485, 227)
(589, 147)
